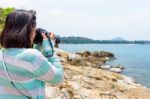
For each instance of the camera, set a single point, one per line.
(38, 38)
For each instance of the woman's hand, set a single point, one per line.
(44, 36)
(52, 35)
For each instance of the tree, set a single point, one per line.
(3, 15)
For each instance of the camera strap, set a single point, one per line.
(50, 43)
(8, 76)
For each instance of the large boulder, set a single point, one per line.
(106, 54)
(117, 70)
(105, 67)
(119, 66)
(102, 54)
(73, 56)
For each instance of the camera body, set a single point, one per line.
(38, 38)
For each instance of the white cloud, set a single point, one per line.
(13, 3)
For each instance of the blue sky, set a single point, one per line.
(97, 19)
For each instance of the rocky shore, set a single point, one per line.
(88, 77)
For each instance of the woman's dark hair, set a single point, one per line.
(18, 29)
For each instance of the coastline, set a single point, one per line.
(85, 79)
(134, 58)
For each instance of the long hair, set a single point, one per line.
(18, 29)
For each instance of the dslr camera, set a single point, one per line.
(38, 38)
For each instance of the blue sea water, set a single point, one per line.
(134, 57)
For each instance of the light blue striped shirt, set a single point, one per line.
(29, 70)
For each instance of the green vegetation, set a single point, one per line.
(3, 15)
(83, 40)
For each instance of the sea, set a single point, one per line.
(134, 57)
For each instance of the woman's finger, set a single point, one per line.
(44, 36)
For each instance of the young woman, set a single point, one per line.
(24, 70)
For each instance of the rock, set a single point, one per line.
(62, 53)
(138, 93)
(66, 93)
(74, 57)
(84, 53)
(82, 81)
(106, 54)
(129, 80)
(117, 70)
(95, 54)
(63, 59)
(119, 66)
(88, 64)
(79, 53)
(96, 61)
(52, 92)
(75, 62)
(107, 58)
(105, 67)
(86, 58)
(93, 83)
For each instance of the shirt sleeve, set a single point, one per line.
(36, 46)
(50, 72)
(45, 48)
(48, 69)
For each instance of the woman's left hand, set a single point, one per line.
(44, 36)
(52, 35)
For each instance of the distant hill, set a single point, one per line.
(72, 39)
(84, 40)
(118, 39)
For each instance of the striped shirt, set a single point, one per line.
(28, 70)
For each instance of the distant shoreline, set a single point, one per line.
(110, 43)
(84, 40)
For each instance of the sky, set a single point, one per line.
(96, 19)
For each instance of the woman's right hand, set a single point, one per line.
(52, 35)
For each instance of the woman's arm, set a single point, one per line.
(50, 72)
(52, 62)
(47, 50)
